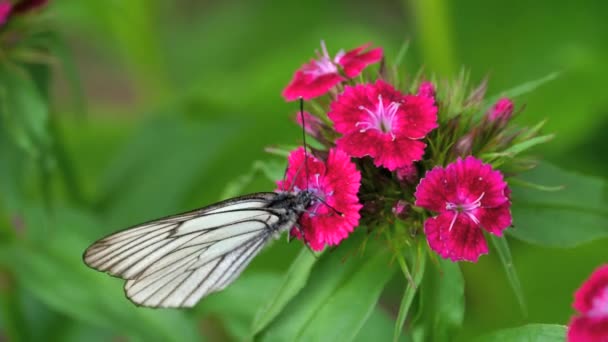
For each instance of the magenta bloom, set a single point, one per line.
(591, 301)
(378, 121)
(501, 111)
(335, 182)
(319, 75)
(468, 196)
(5, 11)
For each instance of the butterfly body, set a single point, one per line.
(177, 260)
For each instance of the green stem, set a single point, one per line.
(68, 173)
(433, 28)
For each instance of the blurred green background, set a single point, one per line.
(182, 97)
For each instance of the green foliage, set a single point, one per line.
(568, 217)
(528, 333)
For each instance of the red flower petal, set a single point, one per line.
(455, 239)
(420, 118)
(588, 329)
(594, 287)
(336, 182)
(353, 62)
(495, 220)
(432, 191)
(309, 86)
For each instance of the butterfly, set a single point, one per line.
(175, 261)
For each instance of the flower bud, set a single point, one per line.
(426, 89)
(464, 146)
(401, 209)
(501, 111)
(407, 174)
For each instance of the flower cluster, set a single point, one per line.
(416, 156)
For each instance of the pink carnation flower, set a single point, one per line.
(501, 111)
(5, 11)
(335, 183)
(378, 121)
(319, 75)
(468, 196)
(591, 301)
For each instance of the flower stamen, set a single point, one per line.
(381, 118)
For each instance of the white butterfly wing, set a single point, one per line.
(175, 261)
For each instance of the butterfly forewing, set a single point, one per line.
(177, 260)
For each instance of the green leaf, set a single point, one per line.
(273, 170)
(23, 110)
(566, 218)
(441, 303)
(521, 89)
(338, 299)
(520, 147)
(159, 166)
(528, 333)
(377, 327)
(504, 254)
(410, 291)
(237, 305)
(53, 271)
(295, 279)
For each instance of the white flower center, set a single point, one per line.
(464, 208)
(600, 305)
(323, 65)
(381, 118)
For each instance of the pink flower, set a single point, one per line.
(426, 89)
(5, 11)
(591, 301)
(378, 121)
(335, 183)
(319, 75)
(468, 196)
(501, 111)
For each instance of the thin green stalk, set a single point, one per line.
(432, 24)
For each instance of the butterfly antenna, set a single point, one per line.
(329, 206)
(304, 139)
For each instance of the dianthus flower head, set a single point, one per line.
(378, 121)
(469, 197)
(501, 111)
(318, 76)
(5, 11)
(591, 301)
(334, 212)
